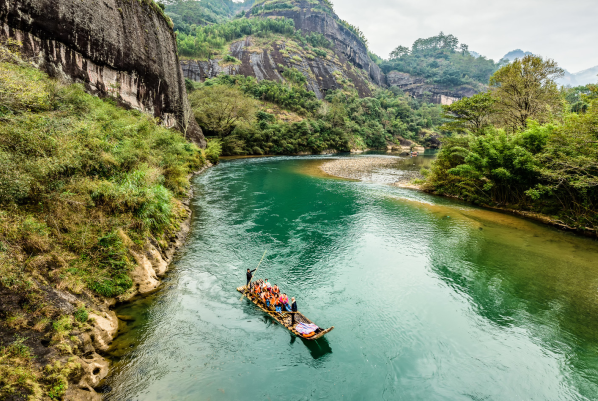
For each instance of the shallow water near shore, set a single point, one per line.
(431, 299)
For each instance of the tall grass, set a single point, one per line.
(75, 170)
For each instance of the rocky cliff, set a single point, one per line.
(322, 20)
(346, 64)
(119, 48)
(269, 61)
(438, 94)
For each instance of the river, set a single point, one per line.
(431, 298)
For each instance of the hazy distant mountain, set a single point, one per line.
(589, 76)
(518, 53)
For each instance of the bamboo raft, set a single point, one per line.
(284, 318)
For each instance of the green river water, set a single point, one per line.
(431, 299)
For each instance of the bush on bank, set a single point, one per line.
(542, 158)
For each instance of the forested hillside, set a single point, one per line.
(264, 117)
(186, 14)
(305, 35)
(441, 60)
(293, 87)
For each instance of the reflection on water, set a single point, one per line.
(317, 349)
(430, 298)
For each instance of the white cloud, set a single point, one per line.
(564, 31)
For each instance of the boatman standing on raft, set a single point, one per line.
(249, 275)
(293, 311)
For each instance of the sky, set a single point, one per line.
(566, 31)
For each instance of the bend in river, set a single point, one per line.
(431, 298)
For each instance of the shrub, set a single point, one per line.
(111, 279)
(320, 53)
(16, 371)
(230, 59)
(57, 375)
(213, 151)
(81, 315)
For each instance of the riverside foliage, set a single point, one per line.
(547, 163)
(343, 121)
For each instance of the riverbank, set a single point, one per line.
(147, 277)
(91, 245)
(366, 168)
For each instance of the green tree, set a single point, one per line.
(495, 167)
(441, 60)
(526, 89)
(294, 76)
(219, 108)
(469, 114)
(399, 51)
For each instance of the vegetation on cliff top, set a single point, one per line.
(441, 60)
(82, 184)
(205, 42)
(525, 147)
(263, 7)
(186, 13)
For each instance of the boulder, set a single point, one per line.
(105, 326)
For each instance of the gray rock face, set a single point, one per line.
(119, 48)
(417, 87)
(322, 74)
(345, 41)
(347, 62)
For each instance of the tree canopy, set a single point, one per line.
(470, 113)
(219, 108)
(526, 89)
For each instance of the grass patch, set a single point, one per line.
(17, 377)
